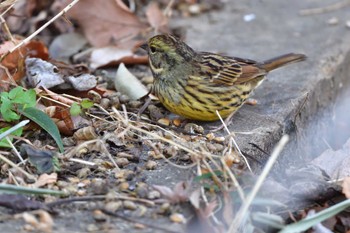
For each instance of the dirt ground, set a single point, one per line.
(149, 193)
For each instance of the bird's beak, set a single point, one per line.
(144, 46)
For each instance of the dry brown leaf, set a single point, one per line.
(112, 55)
(179, 194)
(346, 187)
(45, 179)
(106, 23)
(156, 18)
(103, 56)
(14, 62)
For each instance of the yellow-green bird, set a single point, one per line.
(197, 84)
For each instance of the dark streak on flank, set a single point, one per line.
(195, 96)
(190, 104)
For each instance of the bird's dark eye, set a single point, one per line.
(153, 49)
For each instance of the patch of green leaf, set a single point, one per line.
(17, 98)
(86, 103)
(212, 187)
(21, 101)
(75, 109)
(207, 176)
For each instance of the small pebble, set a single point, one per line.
(125, 155)
(210, 136)
(105, 103)
(83, 173)
(151, 165)
(142, 190)
(113, 206)
(92, 228)
(139, 226)
(124, 186)
(99, 216)
(219, 139)
(170, 151)
(135, 104)
(177, 122)
(71, 189)
(155, 113)
(124, 99)
(81, 192)
(154, 194)
(231, 158)
(193, 128)
(115, 101)
(155, 155)
(122, 162)
(140, 211)
(185, 157)
(164, 121)
(164, 208)
(68, 141)
(249, 17)
(168, 135)
(194, 9)
(333, 21)
(129, 205)
(178, 218)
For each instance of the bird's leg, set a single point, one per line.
(143, 108)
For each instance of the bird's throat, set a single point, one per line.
(154, 69)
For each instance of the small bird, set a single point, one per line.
(197, 84)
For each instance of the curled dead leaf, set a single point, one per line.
(86, 133)
(126, 83)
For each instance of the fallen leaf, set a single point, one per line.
(107, 23)
(42, 73)
(179, 194)
(66, 45)
(156, 18)
(126, 83)
(45, 179)
(12, 65)
(112, 55)
(44, 161)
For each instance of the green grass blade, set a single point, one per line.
(45, 122)
(14, 189)
(307, 223)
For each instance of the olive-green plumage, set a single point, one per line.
(197, 84)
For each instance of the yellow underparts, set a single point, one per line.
(191, 108)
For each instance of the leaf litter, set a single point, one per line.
(115, 148)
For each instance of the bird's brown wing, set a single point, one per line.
(229, 70)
